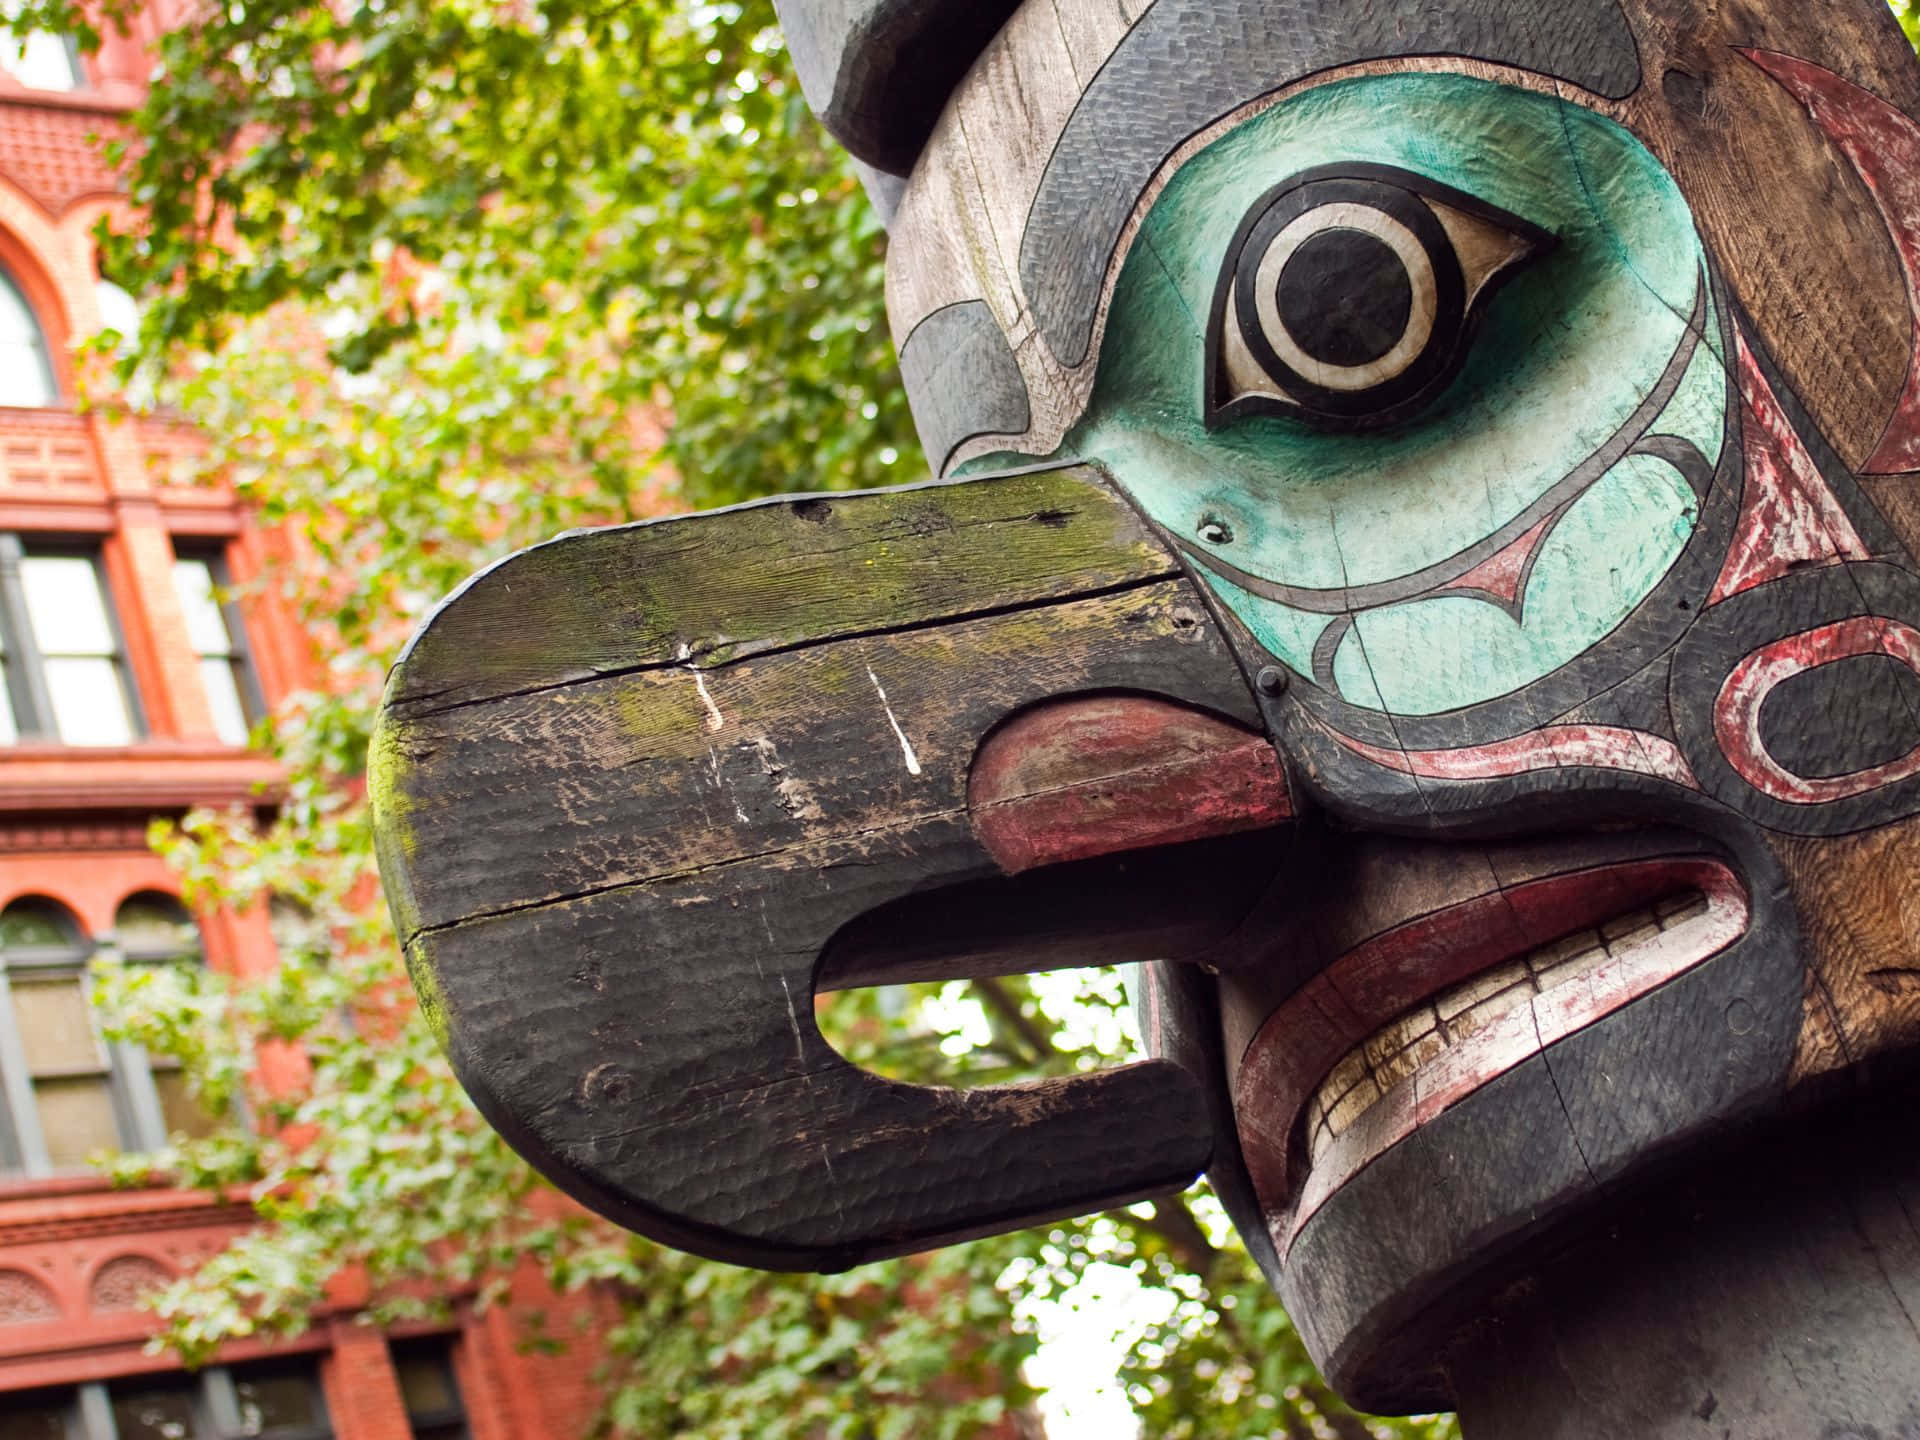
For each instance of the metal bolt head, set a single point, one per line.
(1271, 681)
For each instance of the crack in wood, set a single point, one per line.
(410, 710)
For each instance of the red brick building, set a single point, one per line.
(126, 690)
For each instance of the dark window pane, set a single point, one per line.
(426, 1382)
(425, 1368)
(37, 924)
(276, 1402)
(39, 1416)
(156, 1413)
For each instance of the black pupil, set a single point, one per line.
(1345, 297)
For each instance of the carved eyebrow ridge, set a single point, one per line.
(1188, 62)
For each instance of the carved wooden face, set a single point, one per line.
(1517, 414)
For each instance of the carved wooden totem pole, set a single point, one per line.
(1425, 565)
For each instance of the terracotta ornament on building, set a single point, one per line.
(1424, 566)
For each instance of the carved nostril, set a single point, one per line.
(1215, 531)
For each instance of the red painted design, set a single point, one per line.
(1503, 577)
(1736, 712)
(1603, 747)
(1100, 775)
(1789, 516)
(1384, 978)
(1884, 145)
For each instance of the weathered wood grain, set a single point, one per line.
(1769, 1296)
(618, 781)
(653, 1049)
(706, 589)
(1015, 101)
(632, 785)
(1780, 206)
(877, 72)
(1091, 28)
(642, 794)
(1861, 911)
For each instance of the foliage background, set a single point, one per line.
(1908, 14)
(439, 280)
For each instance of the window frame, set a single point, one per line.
(239, 656)
(213, 1398)
(79, 80)
(437, 1350)
(138, 1115)
(23, 665)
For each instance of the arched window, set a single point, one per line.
(153, 926)
(54, 1067)
(36, 924)
(68, 1092)
(26, 371)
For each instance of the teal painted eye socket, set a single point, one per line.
(1349, 296)
(1358, 551)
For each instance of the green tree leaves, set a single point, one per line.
(1908, 14)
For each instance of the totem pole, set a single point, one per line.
(1423, 565)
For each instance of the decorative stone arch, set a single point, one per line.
(55, 263)
(25, 1299)
(34, 252)
(53, 891)
(50, 895)
(123, 1281)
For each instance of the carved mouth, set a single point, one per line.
(1469, 1023)
(1413, 1021)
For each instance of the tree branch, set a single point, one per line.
(1007, 1010)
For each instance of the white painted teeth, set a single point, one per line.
(1391, 1055)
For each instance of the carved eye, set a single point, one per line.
(1349, 295)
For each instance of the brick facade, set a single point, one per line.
(75, 1255)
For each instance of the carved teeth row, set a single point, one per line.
(1392, 1055)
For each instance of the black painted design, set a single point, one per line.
(878, 72)
(1345, 297)
(1392, 199)
(1792, 605)
(962, 380)
(1188, 62)
(1796, 718)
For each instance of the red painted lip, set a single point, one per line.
(1383, 978)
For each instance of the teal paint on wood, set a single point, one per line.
(1430, 656)
(1567, 353)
